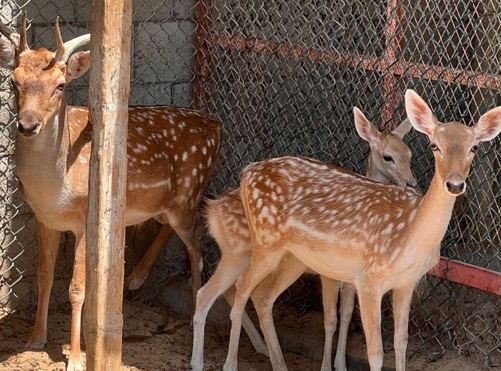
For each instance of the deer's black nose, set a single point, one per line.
(29, 123)
(455, 188)
(29, 130)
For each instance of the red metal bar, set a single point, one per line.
(468, 275)
(357, 61)
(202, 55)
(394, 45)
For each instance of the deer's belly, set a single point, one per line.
(328, 261)
(133, 217)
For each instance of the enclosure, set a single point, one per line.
(282, 78)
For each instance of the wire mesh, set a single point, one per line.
(282, 77)
(161, 74)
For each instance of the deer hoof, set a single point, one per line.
(36, 344)
(74, 365)
(135, 280)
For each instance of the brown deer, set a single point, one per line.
(389, 161)
(171, 154)
(351, 229)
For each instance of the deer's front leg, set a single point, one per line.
(402, 298)
(48, 240)
(77, 295)
(370, 309)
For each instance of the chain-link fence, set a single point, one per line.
(161, 74)
(282, 77)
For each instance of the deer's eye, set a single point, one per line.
(388, 158)
(434, 147)
(61, 86)
(474, 149)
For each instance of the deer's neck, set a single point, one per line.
(432, 218)
(373, 173)
(41, 160)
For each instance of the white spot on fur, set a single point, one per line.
(387, 231)
(162, 183)
(412, 215)
(400, 226)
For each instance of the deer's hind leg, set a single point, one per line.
(142, 269)
(183, 223)
(261, 265)
(264, 297)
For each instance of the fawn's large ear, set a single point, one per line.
(419, 113)
(7, 55)
(77, 65)
(365, 128)
(489, 125)
(402, 129)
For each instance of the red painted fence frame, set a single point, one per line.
(453, 271)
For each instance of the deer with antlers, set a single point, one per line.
(347, 228)
(171, 154)
(389, 162)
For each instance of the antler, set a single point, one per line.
(23, 41)
(64, 50)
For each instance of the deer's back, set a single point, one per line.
(317, 208)
(171, 154)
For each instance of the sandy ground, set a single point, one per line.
(310, 326)
(144, 348)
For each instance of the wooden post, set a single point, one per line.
(108, 100)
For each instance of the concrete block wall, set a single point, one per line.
(163, 44)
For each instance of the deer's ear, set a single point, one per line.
(7, 55)
(419, 114)
(77, 65)
(489, 125)
(402, 129)
(365, 128)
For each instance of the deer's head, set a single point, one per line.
(39, 77)
(453, 144)
(390, 156)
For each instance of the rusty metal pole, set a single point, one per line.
(110, 44)
(202, 55)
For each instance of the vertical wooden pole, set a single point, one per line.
(111, 22)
